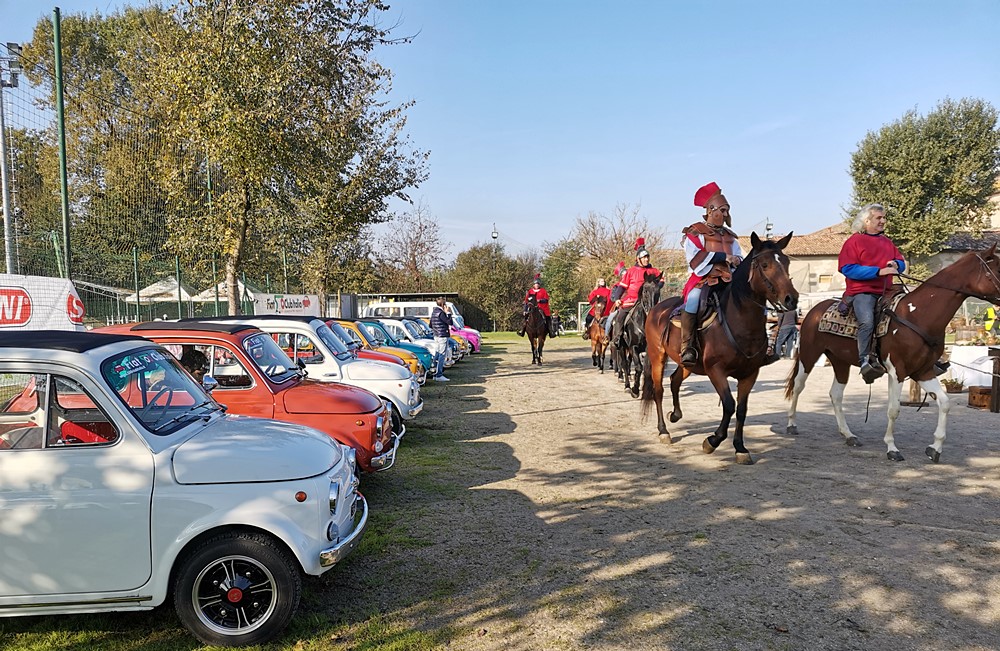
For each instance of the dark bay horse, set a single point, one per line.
(536, 330)
(629, 332)
(913, 342)
(598, 340)
(733, 345)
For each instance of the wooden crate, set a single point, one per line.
(979, 397)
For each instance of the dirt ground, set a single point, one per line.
(551, 517)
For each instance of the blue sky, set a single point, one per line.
(537, 112)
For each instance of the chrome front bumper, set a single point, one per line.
(385, 460)
(415, 409)
(335, 554)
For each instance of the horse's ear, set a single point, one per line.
(754, 240)
(992, 250)
(783, 242)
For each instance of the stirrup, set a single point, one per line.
(871, 372)
(689, 357)
(770, 356)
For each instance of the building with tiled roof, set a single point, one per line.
(813, 258)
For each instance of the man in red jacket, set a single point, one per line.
(600, 291)
(542, 299)
(626, 293)
(868, 261)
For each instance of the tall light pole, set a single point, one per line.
(496, 306)
(13, 67)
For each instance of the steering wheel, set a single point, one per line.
(145, 411)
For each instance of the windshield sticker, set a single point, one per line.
(138, 363)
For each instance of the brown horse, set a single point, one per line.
(536, 329)
(733, 345)
(909, 348)
(598, 340)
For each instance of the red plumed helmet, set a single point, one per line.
(705, 193)
(620, 268)
(640, 243)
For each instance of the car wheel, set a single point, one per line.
(397, 418)
(237, 589)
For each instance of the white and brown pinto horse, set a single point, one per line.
(913, 342)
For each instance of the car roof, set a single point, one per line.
(255, 317)
(68, 340)
(194, 324)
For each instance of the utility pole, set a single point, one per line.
(11, 65)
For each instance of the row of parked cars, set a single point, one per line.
(131, 472)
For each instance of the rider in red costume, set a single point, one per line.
(542, 299)
(600, 290)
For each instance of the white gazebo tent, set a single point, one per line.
(162, 292)
(208, 296)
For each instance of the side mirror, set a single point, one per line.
(209, 383)
(299, 363)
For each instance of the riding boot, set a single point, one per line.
(689, 354)
(520, 333)
(772, 355)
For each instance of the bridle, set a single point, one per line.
(771, 289)
(984, 269)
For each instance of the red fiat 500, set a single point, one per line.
(255, 378)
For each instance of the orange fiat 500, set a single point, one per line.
(255, 378)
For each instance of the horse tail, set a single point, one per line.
(790, 382)
(647, 388)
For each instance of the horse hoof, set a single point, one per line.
(792, 430)
(932, 454)
(853, 442)
(707, 447)
(744, 459)
(634, 393)
(674, 417)
(894, 455)
(665, 438)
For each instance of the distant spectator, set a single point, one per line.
(441, 326)
(787, 333)
(195, 362)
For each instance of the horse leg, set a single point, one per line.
(720, 381)
(541, 345)
(676, 378)
(657, 361)
(799, 379)
(743, 388)
(637, 365)
(534, 352)
(892, 453)
(841, 371)
(933, 387)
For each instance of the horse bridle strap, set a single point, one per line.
(985, 267)
(767, 281)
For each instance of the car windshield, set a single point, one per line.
(423, 327)
(380, 334)
(414, 330)
(333, 342)
(344, 336)
(156, 390)
(269, 357)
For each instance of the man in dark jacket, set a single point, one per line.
(441, 326)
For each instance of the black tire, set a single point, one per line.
(396, 418)
(237, 589)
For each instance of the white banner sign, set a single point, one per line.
(291, 304)
(39, 303)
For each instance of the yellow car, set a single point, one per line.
(361, 337)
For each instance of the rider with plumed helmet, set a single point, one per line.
(612, 309)
(712, 252)
(626, 293)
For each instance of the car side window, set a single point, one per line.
(50, 411)
(74, 417)
(22, 419)
(306, 350)
(226, 368)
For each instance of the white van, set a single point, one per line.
(396, 309)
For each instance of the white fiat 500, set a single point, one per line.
(123, 482)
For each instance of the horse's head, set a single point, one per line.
(768, 272)
(649, 294)
(532, 300)
(985, 276)
(600, 306)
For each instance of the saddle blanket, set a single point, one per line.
(836, 323)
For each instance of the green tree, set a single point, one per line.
(561, 275)
(493, 283)
(285, 106)
(934, 173)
